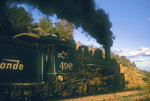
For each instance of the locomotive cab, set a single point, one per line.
(55, 55)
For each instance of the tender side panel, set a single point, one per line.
(19, 64)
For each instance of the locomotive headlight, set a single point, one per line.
(60, 77)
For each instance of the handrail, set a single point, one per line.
(27, 34)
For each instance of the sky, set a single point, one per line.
(130, 24)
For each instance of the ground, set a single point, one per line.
(135, 95)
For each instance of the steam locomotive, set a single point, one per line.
(47, 66)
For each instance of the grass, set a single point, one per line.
(135, 95)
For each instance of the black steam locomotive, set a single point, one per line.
(33, 65)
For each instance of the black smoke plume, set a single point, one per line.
(81, 13)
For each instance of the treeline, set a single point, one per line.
(127, 63)
(123, 60)
(16, 20)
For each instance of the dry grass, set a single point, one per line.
(120, 96)
(133, 76)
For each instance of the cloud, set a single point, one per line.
(140, 56)
(142, 51)
(121, 51)
(139, 60)
(148, 18)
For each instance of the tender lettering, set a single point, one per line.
(21, 66)
(10, 64)
(2, 65)
(15, 66)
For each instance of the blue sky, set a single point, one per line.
(131, 25)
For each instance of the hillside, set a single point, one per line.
(133, 77)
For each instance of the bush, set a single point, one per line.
(146, 79)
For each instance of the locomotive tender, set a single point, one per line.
(52, 67)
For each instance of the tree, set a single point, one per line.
(124, 61)
(4, 25)
(47, 26)
(133, 64)
(19, 19)
(64, 29)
